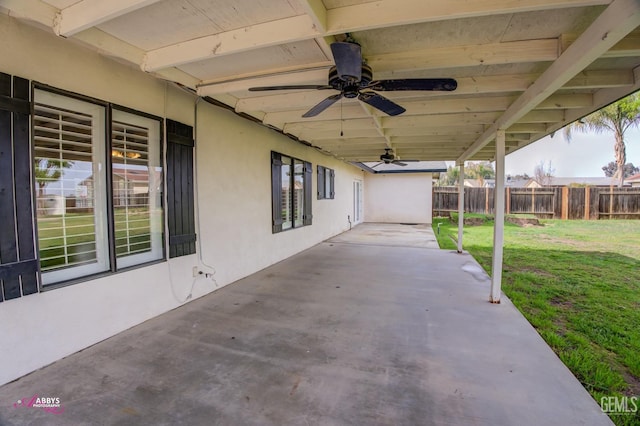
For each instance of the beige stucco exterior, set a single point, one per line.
(233, 202)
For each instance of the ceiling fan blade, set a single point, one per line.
(381, 103)
(399, 163)
(348, 58)
(376, 165)
(326, 103)
(440, 84)
(292, 87)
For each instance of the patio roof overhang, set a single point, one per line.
(526, 67)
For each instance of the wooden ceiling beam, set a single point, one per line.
(287, 30)
(89, 13)
(387, 13)
(466, 56)
(613, 24)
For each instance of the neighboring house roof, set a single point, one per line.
(590, 181)
(132, 174)
(480, 183)
(633, 178)
(411, 167)
(516, 183)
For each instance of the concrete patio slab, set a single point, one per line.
(390, 234)
(341, 334)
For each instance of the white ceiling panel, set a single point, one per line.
(528, 67)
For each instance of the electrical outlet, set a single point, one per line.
(195, 271)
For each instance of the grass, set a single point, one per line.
(72, 239)
(578, 284)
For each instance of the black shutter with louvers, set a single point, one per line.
(180, 196)
(331, 190)
(321, 194)
(308, 175)
(276, 192)
(18, 262)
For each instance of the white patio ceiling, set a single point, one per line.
(524, 66)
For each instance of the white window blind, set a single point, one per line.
(137, 183)
(69, 171)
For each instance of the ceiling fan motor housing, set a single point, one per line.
(349, 88)
(388, 156)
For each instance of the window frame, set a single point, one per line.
(276, 193)
(109, 212)
(325, 193)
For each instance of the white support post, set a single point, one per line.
(460, 206)
(498, 228)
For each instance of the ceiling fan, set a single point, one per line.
(389, 158)
(352, 77)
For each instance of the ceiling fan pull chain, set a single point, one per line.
(341, 132)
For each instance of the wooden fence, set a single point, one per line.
(589, 203)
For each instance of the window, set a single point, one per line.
(94, 218)
(136, 175)
(290, 191)
(325, 183)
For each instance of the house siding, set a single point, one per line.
(233, 206)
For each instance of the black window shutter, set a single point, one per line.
(308, 175)
(276, 192)
(332, 192)
(321, 194)
(18, 261)
(180, 196)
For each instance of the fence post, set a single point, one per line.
(565, 203)
(508, 200)
(611, 202)
(587, 203)
(486, 200)
(533, 200)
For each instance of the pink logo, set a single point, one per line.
(48, 404)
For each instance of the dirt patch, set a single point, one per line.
(523, 221)
(633, 382)
(474, 221)
(532, 270)
(562, 303)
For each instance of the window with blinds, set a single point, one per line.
(80, 233)
(137, 184)
(68, 137)
(291, 192)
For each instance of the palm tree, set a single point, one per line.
(49, 170)
(617, 118)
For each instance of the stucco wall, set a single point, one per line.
(234, 185)
(398, 198)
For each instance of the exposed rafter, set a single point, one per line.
(467, 56)
(88, 13)
(384, 13)
(620, 18)
(287, 30)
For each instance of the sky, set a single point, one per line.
(584, 156)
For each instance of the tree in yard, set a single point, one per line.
(451, 177)
(617, 118)
(49, 170)
(611, 168)
(480, 170)
(543, 173)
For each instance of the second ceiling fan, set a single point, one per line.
(352, 77)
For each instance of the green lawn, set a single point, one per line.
(578, 283)
(72, 239)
